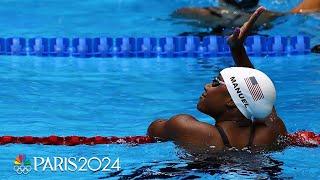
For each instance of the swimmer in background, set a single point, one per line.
(306, 6)
(233, 104)
(233, 13)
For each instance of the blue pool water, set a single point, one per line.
(120, 97)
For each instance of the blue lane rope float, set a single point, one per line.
(179, 46)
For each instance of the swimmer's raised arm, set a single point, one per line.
(241, 59)
(239, 36)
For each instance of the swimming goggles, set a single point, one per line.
(217, 82)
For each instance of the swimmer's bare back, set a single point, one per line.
(227, 17)
(307, 6)
(196, 136)
(222, 17)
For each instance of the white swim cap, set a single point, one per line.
(251, 90)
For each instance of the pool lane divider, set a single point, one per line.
(75, 140)
(146, 47)
(300, 138)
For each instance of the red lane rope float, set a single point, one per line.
(304, 138)
(301, 138)
(75, 140)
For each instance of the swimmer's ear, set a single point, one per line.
(230, 103)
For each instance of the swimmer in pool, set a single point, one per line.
(240, 99)
(306, 6)
(233, 13)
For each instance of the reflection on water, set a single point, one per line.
(244, 164)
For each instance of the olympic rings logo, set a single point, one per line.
(22, 169)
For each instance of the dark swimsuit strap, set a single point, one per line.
(225, 139)
(213, 12)
(252, 131)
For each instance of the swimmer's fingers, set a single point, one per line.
(236, 33)
(233, 39)
(245, 29)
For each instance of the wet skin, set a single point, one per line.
(229, 15)
(225, 17)
(196, 136)
(307, 6)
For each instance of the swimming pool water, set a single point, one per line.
(120, 97)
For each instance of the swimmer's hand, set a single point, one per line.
(240, 34)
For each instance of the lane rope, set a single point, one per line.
(75, 140)
(147, 47)
(300, 138)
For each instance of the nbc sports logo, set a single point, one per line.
(22, 165)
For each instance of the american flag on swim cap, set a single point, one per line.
(254, 88)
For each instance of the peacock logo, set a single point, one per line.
(21, 164)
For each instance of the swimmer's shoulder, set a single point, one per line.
(189, 132)
(267, 134)
(263, 135)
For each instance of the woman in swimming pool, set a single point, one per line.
(234, 99)
(306, 6)
(233, 13)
